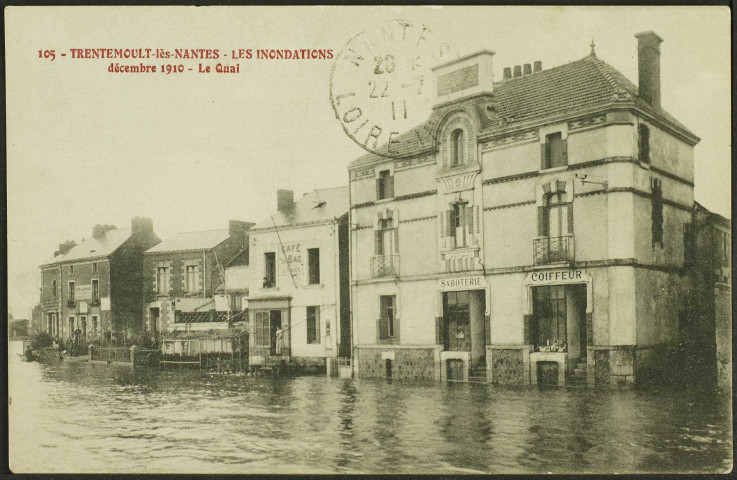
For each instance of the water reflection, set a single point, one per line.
(75, 417)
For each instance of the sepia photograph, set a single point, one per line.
(452, 240)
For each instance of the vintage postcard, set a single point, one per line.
(369, 240)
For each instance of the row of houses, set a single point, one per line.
(543, 225)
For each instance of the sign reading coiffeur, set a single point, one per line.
(557, 275)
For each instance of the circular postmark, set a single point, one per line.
(380, 84)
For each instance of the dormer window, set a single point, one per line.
(457, 148)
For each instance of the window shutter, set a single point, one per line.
(447, 223)
(543, 155)
(570, 218)
(395, 234)
(441, 218)
(389, 187)
(377, 242)
(469, 222)
(540, 221)
(564, 151)
(378, 188)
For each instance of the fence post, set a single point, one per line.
(133, 354)
(90, 352)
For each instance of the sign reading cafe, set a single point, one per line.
(290, 260)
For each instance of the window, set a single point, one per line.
(554, 151)
(644, 143)
(461, 223)
(71, 291)
(313, 265)
(191, 279)
(556, 214)
(386, 238)
(95, 325)
(386, 321)
(313, 324)
(269, 269)
(384, 185)
(657, 212)
(457, 148)
(689, 245)
(262, 337)
(94, 267)
(95, 290)
(53, 288)
(725, 248)
(549, 328)
(162, 280)
(71, 269)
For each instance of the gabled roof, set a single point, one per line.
(317, 206)
(91, 248)
(570, 88)
(187, 241)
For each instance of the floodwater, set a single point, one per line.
(77, 417)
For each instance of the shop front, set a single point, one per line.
(270, 336)
(463, 327)
(558, 308)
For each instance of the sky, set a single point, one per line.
(192, 150)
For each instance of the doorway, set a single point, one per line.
(464, 324)
(154, 315)
(275, 332)
(454, 370)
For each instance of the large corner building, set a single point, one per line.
(532, 231)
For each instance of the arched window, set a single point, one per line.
(457, 148)
(53, 288)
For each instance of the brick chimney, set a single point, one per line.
(141, 225)
(517, 71)
(528, 69)
(66, 246)
(507, 73)
(538, 66)
(648, 67)
(99, 231)
(285, 201)
(237, 227)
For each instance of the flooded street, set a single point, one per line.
(76, 417)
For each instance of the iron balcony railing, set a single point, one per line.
(553, 249)
(385, 266)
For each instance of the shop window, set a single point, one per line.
(269, 269)
(313, 265)
(262, 329)
(162, 280)
(191, 280)
(644, 143)
(313, 325)
(457, 148)
(657, 212)
(95, 290)
(385, 185)
(387, 326)
(554, 151)
(549, 325)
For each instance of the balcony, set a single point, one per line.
(385, 266)
(546, 250)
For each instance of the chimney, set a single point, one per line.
(528, 69)
(463, 77)
(237, 227)
(285, 202)
(648, 67)
(141, 225)
(99, 231)
(507, 73)
(517, 71)
(66, 246)
(538, 67)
